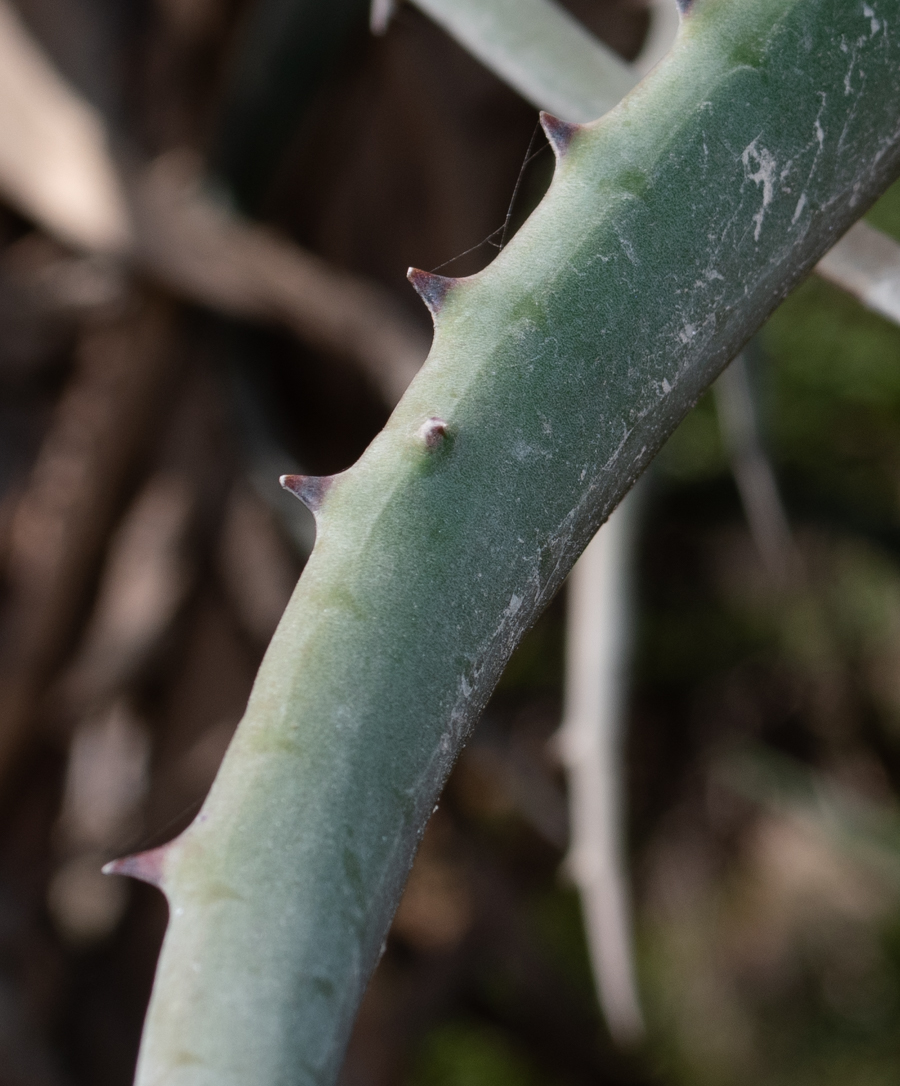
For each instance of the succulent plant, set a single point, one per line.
(672, 228)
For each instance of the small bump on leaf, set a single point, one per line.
(146, 866)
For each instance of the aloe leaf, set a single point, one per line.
(539, 49)
(565, 70)
(672, 228)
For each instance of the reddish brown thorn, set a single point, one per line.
(146, 866)
(431, 288)
(310, 489)
(432, 432)
(558, 132)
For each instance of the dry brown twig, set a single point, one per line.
(209, 255)
(63, 517)
(56, 166)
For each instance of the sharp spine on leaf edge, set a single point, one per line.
(310, 489)
(431, 288)
(559, 133)
(146, 866)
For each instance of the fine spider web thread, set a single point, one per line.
(503, 230)
(145, 841)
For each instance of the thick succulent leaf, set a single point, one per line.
(671, 230)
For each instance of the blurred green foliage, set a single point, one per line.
(469, 1053)
(556, 927)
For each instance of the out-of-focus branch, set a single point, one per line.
(56, 167)
(598, 642)
(753, 471)
(380, 14)
(46, 291)
(866, 263)
(578, 78)
(209, 255)
(106, 779)
(256, 566)
(664, 21)
(55, 162)
(62, 519)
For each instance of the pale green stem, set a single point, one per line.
(565, 70)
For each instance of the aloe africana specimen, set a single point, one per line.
(672, 228)
(554, 63)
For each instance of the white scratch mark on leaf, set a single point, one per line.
(874, 24)
(798, 211)
(759, 166)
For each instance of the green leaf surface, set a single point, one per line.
(671, 230)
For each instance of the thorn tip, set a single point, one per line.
(310, 489)
(559, 133)
(431, 288)
(146, 866)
